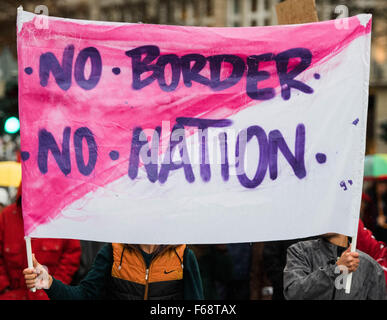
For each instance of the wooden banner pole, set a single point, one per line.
(296, 12)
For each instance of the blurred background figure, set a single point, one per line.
(60, 256)
(261, 288)
(238, 287)
(368, 210)
(216, 269)
(381, 224)
(374, 204)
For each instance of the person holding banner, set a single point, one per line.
(60, 256)
(317, 269)
(129, 272)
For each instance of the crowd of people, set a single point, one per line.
(277, 270)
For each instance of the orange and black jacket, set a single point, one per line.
(126, 272)
(134, 278)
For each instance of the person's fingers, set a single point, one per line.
(354, 254)
(30, 276)
(30, 282)
(34, 261)
(343, 259)
(353, 266)
(28, 271)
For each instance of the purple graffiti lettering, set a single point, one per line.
(203, 125)
(47, 143)
(243, 137)
(148, 155)
(62, 73)
(191, 72)
(79, 135)
(144, 152)
(177, 140)
(96, 68)
(296, 161)
(287, 78)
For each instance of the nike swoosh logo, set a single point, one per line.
(166, 272)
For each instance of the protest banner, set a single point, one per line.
(152, 134)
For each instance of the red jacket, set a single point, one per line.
(60, 256)
(367, 243)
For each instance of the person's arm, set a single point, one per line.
(193, 288)
(301, 282)
(69, 261)
(91, 287)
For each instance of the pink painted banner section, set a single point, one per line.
(113, 108)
